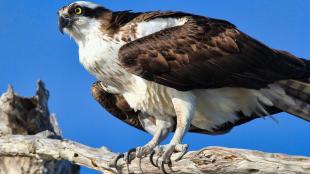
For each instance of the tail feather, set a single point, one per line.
(299, 91)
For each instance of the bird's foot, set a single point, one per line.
(133, 153)
(164, 154)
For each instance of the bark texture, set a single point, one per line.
(212, 160)
(31, 143)
(29, 116)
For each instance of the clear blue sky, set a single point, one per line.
(32, 48)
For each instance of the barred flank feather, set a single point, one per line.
(299, 91)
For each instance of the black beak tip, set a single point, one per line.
(63, 23)
(61, 30)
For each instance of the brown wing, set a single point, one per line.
(208, 53)
(117, 106)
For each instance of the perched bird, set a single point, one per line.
(175, 71)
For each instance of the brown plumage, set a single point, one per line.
(207, 53)
(115, 105)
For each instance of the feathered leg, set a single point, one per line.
(184, 105)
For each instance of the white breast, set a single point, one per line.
(149, 97)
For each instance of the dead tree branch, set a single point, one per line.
(209, 160)
(48, 146)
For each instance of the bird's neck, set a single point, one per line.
(83, 35)
(98, 53)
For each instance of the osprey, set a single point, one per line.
(175, 71)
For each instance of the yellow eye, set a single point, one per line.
(78, 10)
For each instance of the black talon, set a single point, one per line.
(119, 156)
(182, 154)
(163, 167)
(128, 160)
(170, 166)
(151, 159)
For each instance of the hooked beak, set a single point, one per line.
(64, 22)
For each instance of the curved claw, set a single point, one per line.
(128, 155)
(151, 159)
(183, 151)
(119, 156)
(159, 152)
(162, 166)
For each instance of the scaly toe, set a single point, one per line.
(143, 151)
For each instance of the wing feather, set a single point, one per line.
(116, 105)
(208, 53)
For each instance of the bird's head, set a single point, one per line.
(81, 17)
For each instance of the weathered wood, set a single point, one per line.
(29, 116)
(217, 160)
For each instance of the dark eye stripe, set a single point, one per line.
(71, 10)
(93, 13)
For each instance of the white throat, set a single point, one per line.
(98, 54)
(85, 29)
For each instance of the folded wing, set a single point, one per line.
(208, 53)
